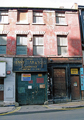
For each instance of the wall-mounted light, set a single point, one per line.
(51, 60)
(30, 38)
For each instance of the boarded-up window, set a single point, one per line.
(3, 16)
(38, 45)
(60, 18)
(62, 45)
(22, 16)
(21, 45)
(59, 83)
(3, 42)
(37, 17)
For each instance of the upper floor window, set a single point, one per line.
(60, 18)
(3, 43)
(3, 16)
(38, 45)
(22, 17)
(38, 17)
(62, 45)
(21, 45)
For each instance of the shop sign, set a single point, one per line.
(75, 84)
(74, 71)
(26, 77)
(30, 64)
(29, 87)
(82, 78)
(1, 87)
(42, 86)
(8, 72)
(40, 75)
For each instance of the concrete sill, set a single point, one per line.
(38, 23)
(57, 24)
(19, 23)
(2, 23)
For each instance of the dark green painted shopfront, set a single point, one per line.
(31, 80)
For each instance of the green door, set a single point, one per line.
(33, 91)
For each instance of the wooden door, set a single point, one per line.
(75, 88)
(1, 89)
(59, 83)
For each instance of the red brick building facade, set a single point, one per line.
(50, 33)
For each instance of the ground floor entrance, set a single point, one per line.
(64, 82)
(75, 88)
(31, 88)
(59, 83)
(1, 89)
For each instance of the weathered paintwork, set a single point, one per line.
(49, 30)
(30, 64)
(31, 92)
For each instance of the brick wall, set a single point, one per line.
(49, 30)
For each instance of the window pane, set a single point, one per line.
(59, 50)
(34, 19)
(62, 20)
(64, 41)
(64, 50)
(0, 18)
(21, 50)
(4, 16)
(5, 19)
(57, 20)
(38, 50)
(40, 20)
(3, 49)
(59, 41)
(22, 17)
(21, 40)
(3, 40)
(40, 40)
(38, 17)
(36, 40)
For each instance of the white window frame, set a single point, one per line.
(22, 21)
(21, 43)
(59, 18)
(61, 45)
(3, 16)
(37, 44)
(39, 16)
(3, 44)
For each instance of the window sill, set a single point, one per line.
(2, 23)
(57, 24)
(21, 23)
(38, 23)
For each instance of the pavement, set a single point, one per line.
(40, 108)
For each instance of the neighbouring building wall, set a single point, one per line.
(9, 81)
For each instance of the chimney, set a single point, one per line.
(75, 6)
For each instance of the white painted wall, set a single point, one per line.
(9, 81)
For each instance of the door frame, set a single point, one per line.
(66, 78)
(79, 79)
(3, 88)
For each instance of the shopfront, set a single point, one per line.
(31, 80)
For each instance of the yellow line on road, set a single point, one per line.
(17, 109)
(67, 108)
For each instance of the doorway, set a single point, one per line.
(1, 89)
(59, 83)
(75, 88)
